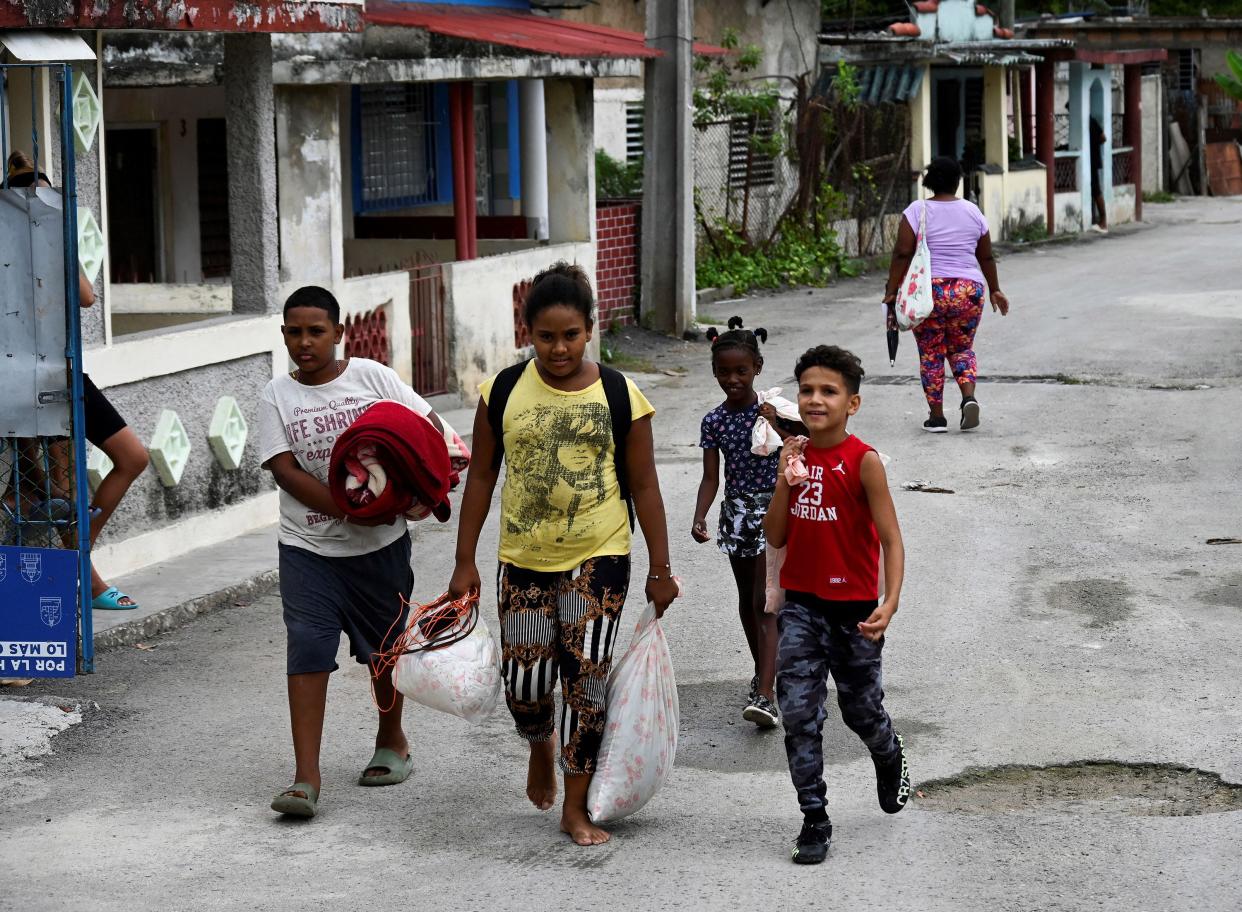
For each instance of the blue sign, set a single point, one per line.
(38, 612)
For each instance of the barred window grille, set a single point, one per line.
(748, 165)
(633, 130)
(397, 146)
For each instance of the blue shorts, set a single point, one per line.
(360, 596)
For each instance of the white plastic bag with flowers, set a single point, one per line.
(640, 733)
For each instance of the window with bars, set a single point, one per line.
(633, 130)
(749, 166)
(395, 130)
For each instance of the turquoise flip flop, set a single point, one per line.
(294, 805)
(110, 600)
(399, 768)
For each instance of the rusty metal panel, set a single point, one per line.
(32, 315)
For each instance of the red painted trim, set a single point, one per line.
(1121, 58)
(1045, 136)
(467, 133)
(199, 16)
(461, 220)
(514, 28)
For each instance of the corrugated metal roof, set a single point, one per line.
(519, 29)
(886, 84)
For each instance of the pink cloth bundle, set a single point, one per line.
(795, 469)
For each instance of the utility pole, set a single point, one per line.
(668, 170)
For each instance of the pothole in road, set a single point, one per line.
(1090, 786)
(715, 737)
(1105, 602)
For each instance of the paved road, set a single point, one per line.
(1061, 606)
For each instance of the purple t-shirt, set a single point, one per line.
(953, 231)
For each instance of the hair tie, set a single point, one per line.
(713, 334)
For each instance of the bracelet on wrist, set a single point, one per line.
(658, 578)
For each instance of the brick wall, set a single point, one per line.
(616, 261)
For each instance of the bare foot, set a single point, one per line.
(578, 825)
(541, 774)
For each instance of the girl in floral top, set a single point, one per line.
(749, 482)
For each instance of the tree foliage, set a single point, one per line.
(1232, 82)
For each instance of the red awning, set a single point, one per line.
(519, 29)
(199, 16)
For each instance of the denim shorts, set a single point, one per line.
(361, 596)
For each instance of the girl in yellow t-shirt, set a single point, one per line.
(564, 538)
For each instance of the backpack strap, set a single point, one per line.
(617, 393)
(502, 387)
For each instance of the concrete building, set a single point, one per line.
(986, 98)
(1187, 111)
(422, 161)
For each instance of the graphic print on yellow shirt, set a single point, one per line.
(561, 503)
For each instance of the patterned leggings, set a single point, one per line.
(949, 333)
(562, 623)
(814, 644)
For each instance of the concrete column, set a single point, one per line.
(920, 124)
(668, 301)
(995, 117)
(253, 217)
(1079, 137)
(1023, 111)
(571, 160)
(534, 139)
(1134, 132)
(309, 167)
(1045, 136)
(1105, 80)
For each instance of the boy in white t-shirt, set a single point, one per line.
(336, 575)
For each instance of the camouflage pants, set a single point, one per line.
(814, 645)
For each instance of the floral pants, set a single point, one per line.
(949, 334)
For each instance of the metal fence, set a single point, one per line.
(736, 181)
(430, 337)
(45, 627)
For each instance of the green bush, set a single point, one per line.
(1158, 196)
(798, 256)
(617, 179)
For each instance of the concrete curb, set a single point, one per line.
(140, 629)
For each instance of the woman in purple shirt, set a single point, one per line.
(961, 261)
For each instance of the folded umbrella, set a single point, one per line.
(894, 336)
(389, 462)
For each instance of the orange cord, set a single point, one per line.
(424, 629)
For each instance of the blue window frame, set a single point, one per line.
(401, 153)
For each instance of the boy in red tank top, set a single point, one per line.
(832, 526)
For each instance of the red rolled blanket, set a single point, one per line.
(408, 460)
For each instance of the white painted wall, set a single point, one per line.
(177, 111)
(610, 119)
(480, 308)
(391, 291)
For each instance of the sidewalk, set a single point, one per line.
(176, 591)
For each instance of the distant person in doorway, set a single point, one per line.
(105, 429)
(961, 262)
(1099, 211)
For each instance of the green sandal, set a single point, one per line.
(295, 806)
(399, 768)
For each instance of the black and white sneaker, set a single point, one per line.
(813, 842)
(892, 780)
(754, 690)
(936, 425)
(762, 712)
(970, 414)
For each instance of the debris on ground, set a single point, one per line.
(1224, 541)
(145, 647)
(926, 487)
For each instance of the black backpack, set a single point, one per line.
(616, 393)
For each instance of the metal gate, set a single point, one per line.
(45, 620)
(430, 340)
